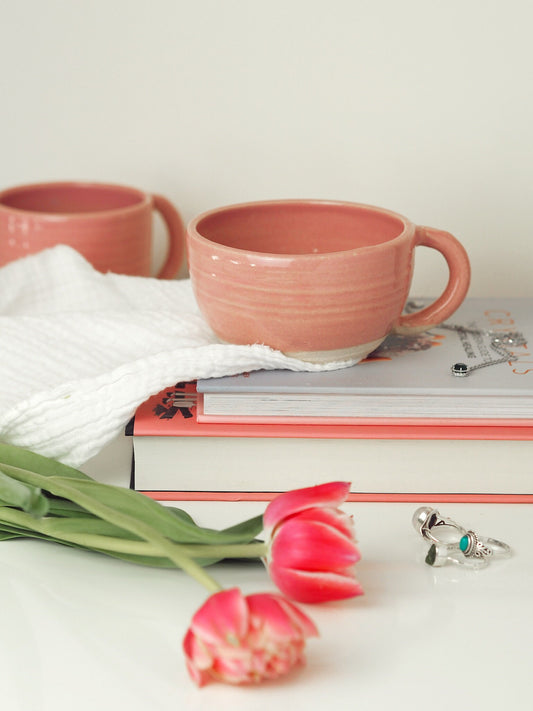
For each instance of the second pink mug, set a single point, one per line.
(110, 225)
(321, 281)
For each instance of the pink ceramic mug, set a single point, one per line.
(320, 281)
(110, 225)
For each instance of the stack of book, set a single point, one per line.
(400, 426)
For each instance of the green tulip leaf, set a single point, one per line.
(23, 496)
(44, 499)
(25, 459)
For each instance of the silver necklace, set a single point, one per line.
(499, 342)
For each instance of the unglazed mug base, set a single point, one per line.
(352, 355)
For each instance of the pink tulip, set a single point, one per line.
(245, 640)
(312, 549)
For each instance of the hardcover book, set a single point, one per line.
(178, 457)
(407, 378)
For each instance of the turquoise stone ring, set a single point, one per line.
(450, 542)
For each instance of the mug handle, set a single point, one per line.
(176, 237)
(453, 295)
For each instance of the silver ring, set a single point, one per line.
(450, 542)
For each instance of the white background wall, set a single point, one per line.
(421, 106)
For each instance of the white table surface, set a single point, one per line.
(82, 631)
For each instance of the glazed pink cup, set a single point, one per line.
(320, 281)
(110, 225)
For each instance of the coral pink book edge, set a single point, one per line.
(148, 423)
(356, 497)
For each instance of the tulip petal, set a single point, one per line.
(287, 504)
(195, 649)
(337, 518)
(224, 617)
(284, 620)
(234, 666)
(313, 546)
(200, 678)
(314, 587)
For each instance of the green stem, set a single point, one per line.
(173, 551)
(125, 545)
(236, 550)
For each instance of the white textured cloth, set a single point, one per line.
(81, 350)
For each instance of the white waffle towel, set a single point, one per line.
(81, 350)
